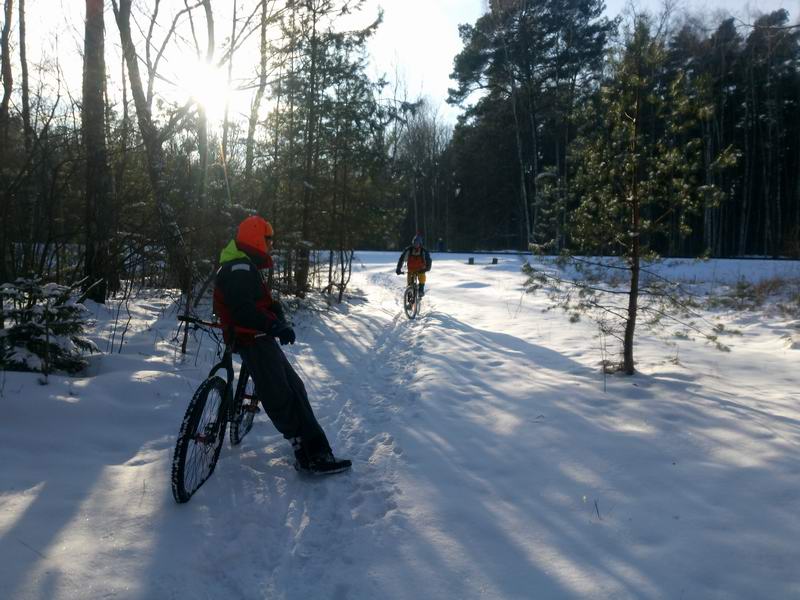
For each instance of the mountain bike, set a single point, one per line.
(214, 405)
(411, 298)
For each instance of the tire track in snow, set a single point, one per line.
(290, 535)
(358, 380)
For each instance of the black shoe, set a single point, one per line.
(324, 463)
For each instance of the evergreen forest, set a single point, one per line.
(580, 133)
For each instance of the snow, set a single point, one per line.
(492, 458)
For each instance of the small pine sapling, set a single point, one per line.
(44, 327)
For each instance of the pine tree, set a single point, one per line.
(639, 169)
(44, 326)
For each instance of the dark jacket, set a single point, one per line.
(418, 260)
(241, 296)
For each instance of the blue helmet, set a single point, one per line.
(417, 241)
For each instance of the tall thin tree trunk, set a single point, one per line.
(23, 60)
(202, 115)
(255, 107)
(225, 122)
(276, 154)
(521, 162)
(35, 222)
(5, 200)
(98, 182)
(633, 294)
(309, 176)
(5, 70)
(292, 98)
(750, 145)
(534, 155)
(171, 232)
(202, 150)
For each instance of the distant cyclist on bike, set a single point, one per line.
(419, 261)
(243, 298)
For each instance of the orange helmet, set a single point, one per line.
(250, 237)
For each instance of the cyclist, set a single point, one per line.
(419, 261)
(242, 298)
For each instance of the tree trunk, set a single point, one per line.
(309, 179)
(5, 201)
(23, 60)
(254, 108)
(5, 70)
(202, 151)
(202, 115)
(633, 294)
(98, 176)
(171, 232)
(532, 118)
(749, 169)
(276, 154)
(225, 122)
(523, 192)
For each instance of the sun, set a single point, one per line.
(207, 85)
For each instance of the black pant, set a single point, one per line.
(283, 394)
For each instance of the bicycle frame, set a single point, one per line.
(225, 363)
(411, 296)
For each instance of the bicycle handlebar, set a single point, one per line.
(216, 325)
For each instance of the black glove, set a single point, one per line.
(283, 332)
(399, 271)
(287, 336)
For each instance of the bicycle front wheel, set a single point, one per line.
(200, 439)
(410, 302)
(244, 408)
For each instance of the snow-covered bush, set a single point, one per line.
(42, 330)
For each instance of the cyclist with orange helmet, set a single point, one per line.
(243, 298)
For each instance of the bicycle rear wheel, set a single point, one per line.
(200, 439)
(410, 302)
(244, 408)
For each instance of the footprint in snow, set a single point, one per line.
(368, 507)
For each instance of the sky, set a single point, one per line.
(418, 38)
(492, 459)
(422, 35)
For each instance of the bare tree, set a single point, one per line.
(171, 232)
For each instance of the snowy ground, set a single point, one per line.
(492, 459)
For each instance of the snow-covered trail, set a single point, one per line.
(491, 460)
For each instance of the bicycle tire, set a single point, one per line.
(243, 408)
(200, 439)
(410, 302)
